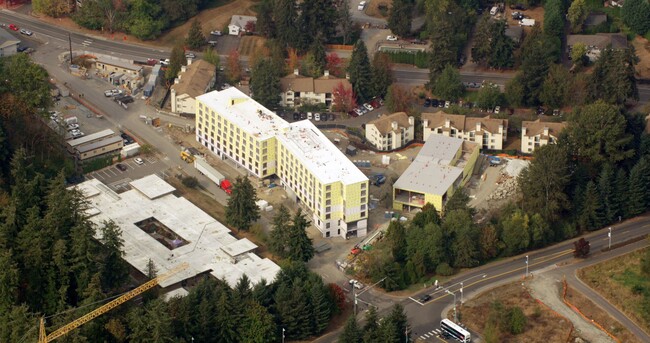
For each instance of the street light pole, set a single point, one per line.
(526, 266)
(454, 294)
(461, 293)
(609, 235)
(363, 291)
(282, 335)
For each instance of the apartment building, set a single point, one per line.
(310, 167)
(391, 132)
(299, 90)
(489, 133)
(443, 165)
(537, 133)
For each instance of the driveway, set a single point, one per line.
(361, 16)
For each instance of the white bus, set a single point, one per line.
(455, 331)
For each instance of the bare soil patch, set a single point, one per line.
(592, 311)
(536, 13)
(211, 19)
(373, 10)
(642, 47)
(621, 282)
(543, 325)
(250, 44)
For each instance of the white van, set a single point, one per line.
(310, 115)
(317, 117)
(361, 6)
(494, 10)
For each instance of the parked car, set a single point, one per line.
(497, 110)
(13, 27)
(303, 116)
(358, 111)
(26, 32)
(112, 92)
(391, 38)
(190, 55)
(353, 114)
(216, 33)
(73, 126)
(427, 102)
(296, 116)
(441, 103)
(317, 116)
(356, 284)
(434, 102)
(164, 61)
(138, 161)
(447, 104)
(368, 106)
(120, 166)
(76, 133)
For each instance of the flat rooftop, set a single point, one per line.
(318, 154)
(92, 137)
(197, 239)
(245, 112)
(118, 62)
(98, 144)
(432, 172)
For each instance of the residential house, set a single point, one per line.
(443, 165)
(194, 79)
(313, 171)
(299, 90)
(489, 133)
(8, 44)
(596, 43)
(391, 132)
(238, 24)
(537, 133)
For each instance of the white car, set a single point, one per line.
(26, 32)
(216, 33)
(356, 284)
(358, 111)
(190, 55)
(368, 106)
(361, 6)
(447, 104)
(317, 116)
(112, 92)
(73, 127)
(76, 133)
(497, 109)
(138, 160)
(391, 38)
(164, 61)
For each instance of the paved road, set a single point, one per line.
(425, 318)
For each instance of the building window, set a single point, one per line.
(363, 213)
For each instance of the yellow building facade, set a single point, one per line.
(311, 168)
(443, 165)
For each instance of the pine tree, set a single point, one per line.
(400, 17)
(351, 332)
(448, 85)
(320, 308)
(382, 74)
(637, 189)
(279, 237)
(9, 279)
(360, 72)
(265, 83)
(176, 60)
(591, 216)
(578, 12)
(620, 198)
(114, 270)
(195, 38)
(258, 325)
(226, 323)
(636, 15)
(265, 25)
(242, 211)
(300, 245)
(515, 235)
(607, 189)
(285, 19)
(371, 332)
(396, 237)
(429, 214)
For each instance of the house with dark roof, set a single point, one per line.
(8, 44)
(489, 133)
(390, 132)
(195, 79)
(299, 90)
(537, 133)
(597, 43)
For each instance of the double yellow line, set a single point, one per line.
(538, 261)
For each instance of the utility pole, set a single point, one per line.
(282, 335)
(526, 266)
(609, 235)
(362, 291)
(461, 293)
(70, 43)
(454, 294)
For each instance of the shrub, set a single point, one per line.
(444, 269)
(516, 321)
(190, 182)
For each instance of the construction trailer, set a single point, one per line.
(206, 169)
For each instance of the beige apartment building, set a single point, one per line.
(391, 132)
(488, 133)
(299, 90)
(536, 133)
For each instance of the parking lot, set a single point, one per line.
(118, 180)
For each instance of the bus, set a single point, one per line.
(455, 331)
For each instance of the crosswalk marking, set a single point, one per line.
(87, 42)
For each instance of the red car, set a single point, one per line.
(13, 27)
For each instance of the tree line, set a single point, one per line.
(392, 328)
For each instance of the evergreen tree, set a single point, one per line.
(396, 237)
(466, 237)
(114, 270)
(320, 308)
(360, 72)
(258, 325)
(620, 202)
(176, 60)
(279, 237)
(317, 19)
(317, 50)
(448, 85)
(540, 232)
(578, 12)
(195, 38)
(613, 78)
(536, 58)
(515, 235)
(9, 279)
(265, 83)
(427, 215)
(636, 15)
(607, 190)
(400, 17)
(371, 332)
(382, 74)
(637, 189)
(242, 211)
(285, 17)
(591, 216)
(351, 332)
(556, 87)
(300, 245)
(501, 54)
(264, 24)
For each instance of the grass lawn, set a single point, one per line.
(622, 283)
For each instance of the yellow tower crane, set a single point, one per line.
(44, 338)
